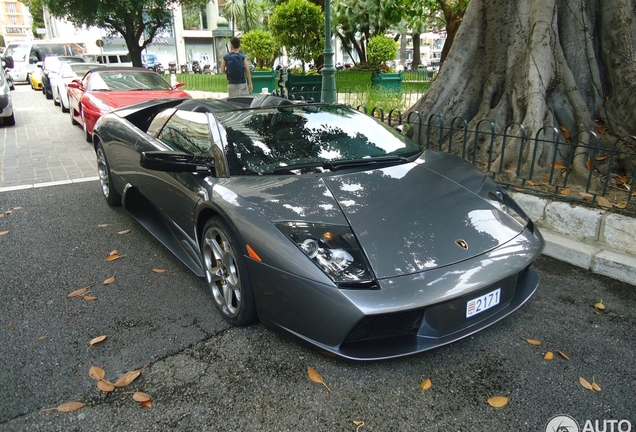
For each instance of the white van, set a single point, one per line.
(27, 54)
(121, 58)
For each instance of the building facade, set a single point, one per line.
(15, 21)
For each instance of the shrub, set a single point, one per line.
(262, 48)
(380, 50)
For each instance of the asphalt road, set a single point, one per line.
(203, 375)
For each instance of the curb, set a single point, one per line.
(597, 240)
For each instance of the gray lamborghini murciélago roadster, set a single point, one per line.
(320, 221)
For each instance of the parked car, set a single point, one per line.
(34, 77)
(67, 73)
(51, 66)
(321, 221)
(6, 103)
(103, 89)
(149, 61)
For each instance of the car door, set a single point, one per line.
(176, 194)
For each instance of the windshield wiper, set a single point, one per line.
(341, 164)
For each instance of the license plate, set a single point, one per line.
(482, 303)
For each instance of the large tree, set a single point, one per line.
(137, 21)
(544, 64)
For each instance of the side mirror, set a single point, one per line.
(178, 85)
(7, 62)
(39, 64)
(174, 161)
(75, 84)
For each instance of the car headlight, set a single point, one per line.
(500, 199)
(334, 249)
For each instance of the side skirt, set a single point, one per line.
(164, 230)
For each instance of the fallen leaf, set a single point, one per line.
(90, 298)
(109, 281)
(584, 383)
(548, 356)
(10, 325)
(124, 231)
(4, 232)
(586, 196)
(66, 407)
(599, 305)
(97, 340)
(102, 225)
(78, 292)
(146, 404)
(316, 377)
(112, 257)
(127, 378)
(588, 164)
(42, 338)
(8, 212)
(498, 401)
(358, 424)
(564, 355)
(565, 192)
(105, 386)
(566, 132)
(602, 157)
(595, 386)
(603, 202)
(557, 165)
(156, 270)
(17, 208)
(113, 252)
(426, 384)
(96, 373)
(532, 341)
(531, 183)
(141, 396)
(622, 205)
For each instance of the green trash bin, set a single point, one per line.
(387, 81)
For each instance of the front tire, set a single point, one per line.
(226, 274)
(112, 197)
(9, 121)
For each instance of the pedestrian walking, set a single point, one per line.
(236, 67)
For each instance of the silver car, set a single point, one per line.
(320, 221)
(7, 115)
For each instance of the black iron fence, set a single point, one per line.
(587, 168)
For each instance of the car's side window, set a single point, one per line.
(188, 132)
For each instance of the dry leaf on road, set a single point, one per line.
(426, 384)
(141, 396)
(78, 292)
(127, 378)
(157, 270)
(96, 373)
(97, 340)
(124, 231)
(585, 383)
(564, 355)
(316, 377)
(105, 386)
(548, 356)
(498, 401)
(532, 341)
(109, 281)
(66, 407)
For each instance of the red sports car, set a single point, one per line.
(104, 89)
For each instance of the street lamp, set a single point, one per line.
(328, 71)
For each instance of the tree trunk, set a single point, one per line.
(548, 65)
(416, 51)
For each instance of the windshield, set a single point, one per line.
(127, 80)
(18, 52)
(304, 139)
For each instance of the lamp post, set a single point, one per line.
(328, 71)
(247, 26)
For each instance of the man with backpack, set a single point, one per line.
(236, 67)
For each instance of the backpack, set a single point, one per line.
(235, 69)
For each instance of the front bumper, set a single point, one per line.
(408, 314)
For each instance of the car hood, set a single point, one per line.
(408, 218)
(118, 99)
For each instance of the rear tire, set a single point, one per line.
(9, 121)
(112, 197)
(226, 273)
(73, 121)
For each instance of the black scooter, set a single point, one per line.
(159, 68)
(172, 67)
(196, 67)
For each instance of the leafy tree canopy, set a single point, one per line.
(137, 21)
(381, 49)
(261, 46)
(35, 8)
(299, 26)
